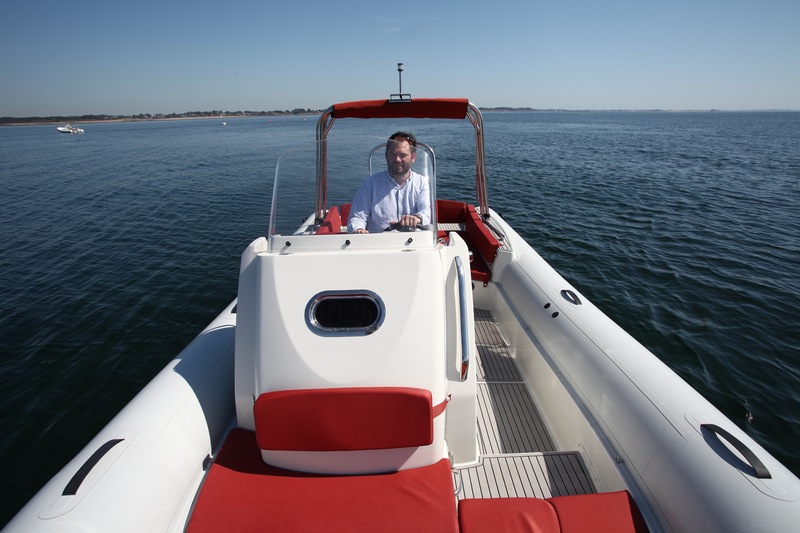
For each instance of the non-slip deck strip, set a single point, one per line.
(495, 362)
(508, 421)
(518, 455)
(526, 476)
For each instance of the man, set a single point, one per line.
(398, 195)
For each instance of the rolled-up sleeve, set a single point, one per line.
(360, 208)
(422, 202)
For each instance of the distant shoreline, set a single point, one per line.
(47, 122)
(148, 117)
(95, 119)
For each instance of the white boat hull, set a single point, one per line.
(148, 481)
(70, 129)
(636, 422)
(641, 427)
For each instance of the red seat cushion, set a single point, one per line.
(450, 211)
(611, 512)
(507, 514)
(241, 493)
(332, 222)
(479, 239)
(608, 512)
(370, 418)
(345, 213)
(485, 242)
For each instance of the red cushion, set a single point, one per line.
(345, 210)
(507, 514)
(450, 211)
(612, 512)
(608, 512)
(241, 493)
(479, 269)
(485, 242)
(332, 222)
(373, 418)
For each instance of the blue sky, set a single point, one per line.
(74, 57)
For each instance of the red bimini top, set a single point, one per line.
(447, 108)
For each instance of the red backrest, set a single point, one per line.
(485, 242)
(332, 222)
(342, 419)
(450, 211)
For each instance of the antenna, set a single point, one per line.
(400, 77)
(400, 97)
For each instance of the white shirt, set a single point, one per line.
(381, 201)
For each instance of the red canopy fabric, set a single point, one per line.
(448, 108)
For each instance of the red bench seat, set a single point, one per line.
(607, 512)
(480, 240)
(242, 493)
(332, 223)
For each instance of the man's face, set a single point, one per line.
(399, 158)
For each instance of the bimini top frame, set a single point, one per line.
(436, 108)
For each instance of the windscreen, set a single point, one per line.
(385, 180)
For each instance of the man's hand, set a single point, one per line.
(409, 220)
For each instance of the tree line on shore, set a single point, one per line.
(220, 113)
(154, 116)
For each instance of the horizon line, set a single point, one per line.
(94, 117)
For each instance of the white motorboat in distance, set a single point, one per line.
(445, 379)
(69, 128)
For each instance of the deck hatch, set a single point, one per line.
(345, 313)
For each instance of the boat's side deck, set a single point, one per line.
(518, 457)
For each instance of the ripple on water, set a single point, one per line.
(118, 247)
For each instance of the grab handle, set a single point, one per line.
(462, 303)
(571, 297)
(747, 453)
(71, 489)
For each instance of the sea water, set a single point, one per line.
(118, 246)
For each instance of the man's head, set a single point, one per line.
(401, 152)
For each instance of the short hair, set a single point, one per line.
(401, 136)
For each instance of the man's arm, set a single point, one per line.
(359, 210)
(423, 202)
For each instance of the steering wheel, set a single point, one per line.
(396, 226)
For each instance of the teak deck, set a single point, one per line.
(518, 457)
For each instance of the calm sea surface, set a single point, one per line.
(118, 246)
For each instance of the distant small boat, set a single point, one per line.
(69, 128)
